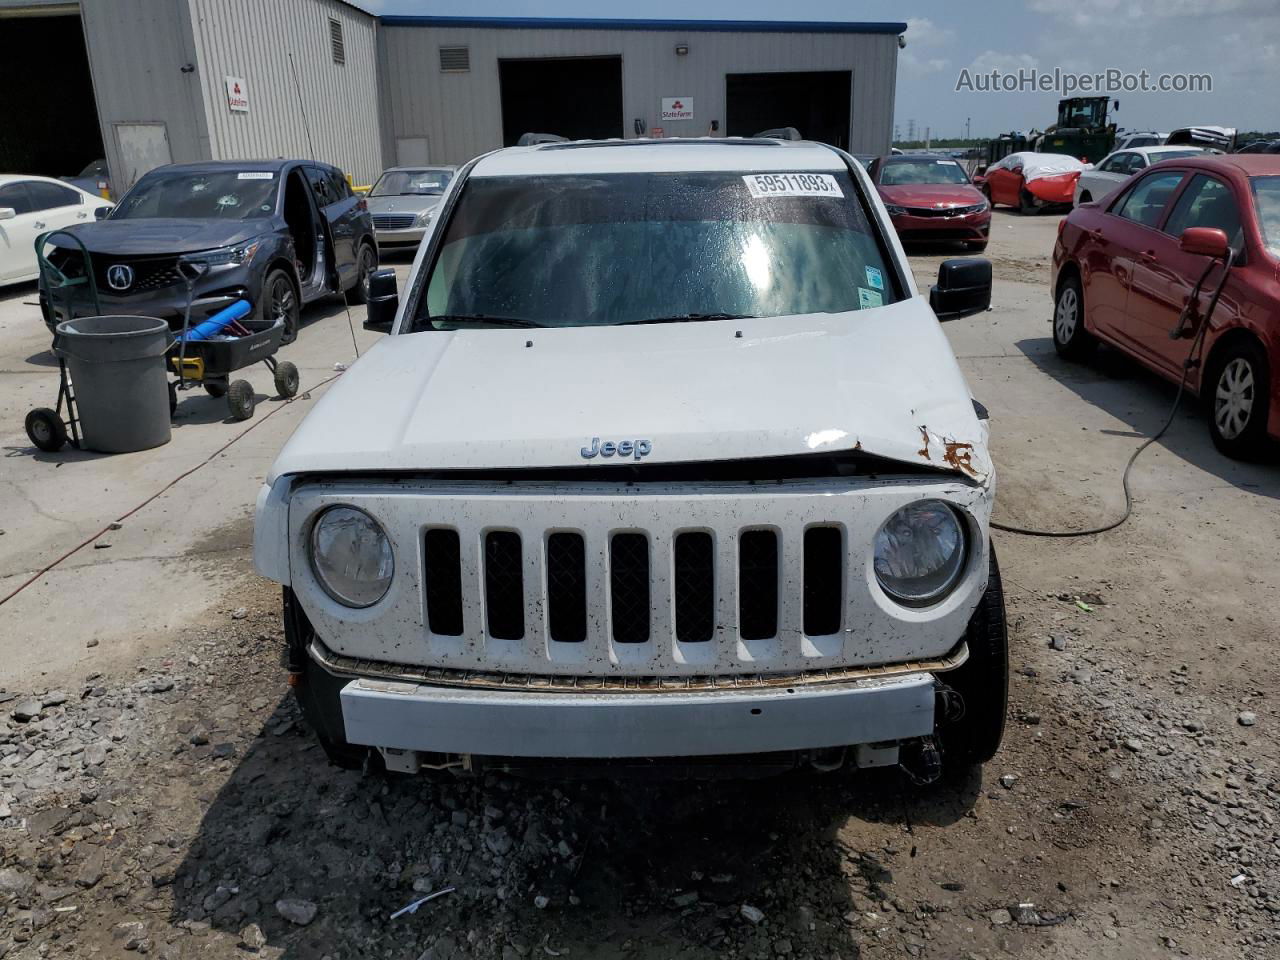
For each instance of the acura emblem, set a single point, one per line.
(119, 276)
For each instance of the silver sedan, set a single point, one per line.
(404, 200)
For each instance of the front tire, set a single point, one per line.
(1236, 397)
(366, 263)
(1070, 338)
(1026, 204)
(982, 682)
(286, 377)
(46, 430)
(279, 303)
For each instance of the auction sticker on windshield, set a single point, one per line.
(792, 185)
(255, 175)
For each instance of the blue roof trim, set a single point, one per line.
(606, 23)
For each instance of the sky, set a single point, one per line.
(1236, 42)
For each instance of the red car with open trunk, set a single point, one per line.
(930, 198)
(1125, 267)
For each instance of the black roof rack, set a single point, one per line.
(533, 139)
(780, 133)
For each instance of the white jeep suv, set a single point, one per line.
(665, 459)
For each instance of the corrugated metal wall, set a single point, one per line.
(460, 113)
(253, 39)
(137, 49)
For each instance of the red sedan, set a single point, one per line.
(1124, 268)
(931, 198)
(1032, 181)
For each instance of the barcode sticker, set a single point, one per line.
(792, 185)
(255, 175)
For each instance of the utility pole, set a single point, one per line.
(966, 128)
(927, 138)
(911, 130)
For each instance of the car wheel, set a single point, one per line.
(1070, 338)
(280, 304)
(973, 732)
(366, 263)
(46, 430)
(1026, 203)
(241, 400)
(1236, 398)
(986, 192)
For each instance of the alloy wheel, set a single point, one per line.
(1067, 315)
(1233, 400)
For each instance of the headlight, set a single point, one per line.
(238, 255)
(424, 218)
(920, 553)
(351, 556)
(895, 211)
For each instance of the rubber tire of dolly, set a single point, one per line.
(215, 388)
(46, 430)
(286, 376)
(241, 400)
(1252, 444)
(982, 681)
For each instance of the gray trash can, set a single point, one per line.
(117, 373)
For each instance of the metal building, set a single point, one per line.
(145, 82)
(454, 87)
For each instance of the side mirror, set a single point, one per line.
(384, 301)
(7, 213)
(101, 213)
(963, 289)
(1205, 242)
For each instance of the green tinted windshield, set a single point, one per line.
(639, 247)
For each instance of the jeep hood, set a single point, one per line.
(884, 381)
(166, 235)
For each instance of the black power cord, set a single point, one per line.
(1187, 366)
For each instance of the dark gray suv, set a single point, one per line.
(278, 233)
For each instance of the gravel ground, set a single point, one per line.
(184, 810)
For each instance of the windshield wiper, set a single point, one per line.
(463, 318)
(687, 318)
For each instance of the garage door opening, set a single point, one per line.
(48, 114)
(579, 98)
(816, 103)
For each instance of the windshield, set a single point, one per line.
(223, 195)
(1266, 200)
(922, 171)
(399, 183)
(603, 249)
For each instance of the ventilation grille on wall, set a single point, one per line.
(455, 59)
(336, 42)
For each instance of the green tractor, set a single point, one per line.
(1082, 130)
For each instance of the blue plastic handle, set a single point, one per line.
(223, 318)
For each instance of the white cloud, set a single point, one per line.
(990, 60)
(923, 32)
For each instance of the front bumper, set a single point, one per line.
(419, 717)
(167, 303)
(974, 227)
(399, 238)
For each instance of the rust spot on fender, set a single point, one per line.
(924, 436)
(960, 456)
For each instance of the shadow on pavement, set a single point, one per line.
(1131, 393)
(589, 865)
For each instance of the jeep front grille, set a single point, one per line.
(629, 587)
(695, 587)
(504, 585)
(444, 583)
(566, 588)
(758, 584)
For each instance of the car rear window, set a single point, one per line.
(1266, 200)
(602, 249)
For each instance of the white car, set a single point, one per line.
(1139, 138)
(30, 206)
(1115, 168)
(665, 457)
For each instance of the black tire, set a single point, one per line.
(279, 301)
(46, 430)
(1070, 338)
(366, 263)
(286, 379)
(1236, 396)
(1026, 205)
(215, 388)
(976, 246)
(986, 192)
(241, 399)
(982, 682)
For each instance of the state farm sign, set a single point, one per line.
(237, 95)
(677, 108)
